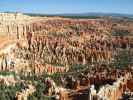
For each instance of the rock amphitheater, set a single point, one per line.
(55, 45)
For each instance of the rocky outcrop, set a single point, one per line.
(25, 93)
(8, 80)
(14, 24)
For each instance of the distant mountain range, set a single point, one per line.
(85, 15)
(89, 14)
(96, 14)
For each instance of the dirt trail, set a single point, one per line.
(4, 40)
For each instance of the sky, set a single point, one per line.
(67, 6)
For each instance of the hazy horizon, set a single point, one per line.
(67, 6)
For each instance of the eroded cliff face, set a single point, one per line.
(14, 24)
